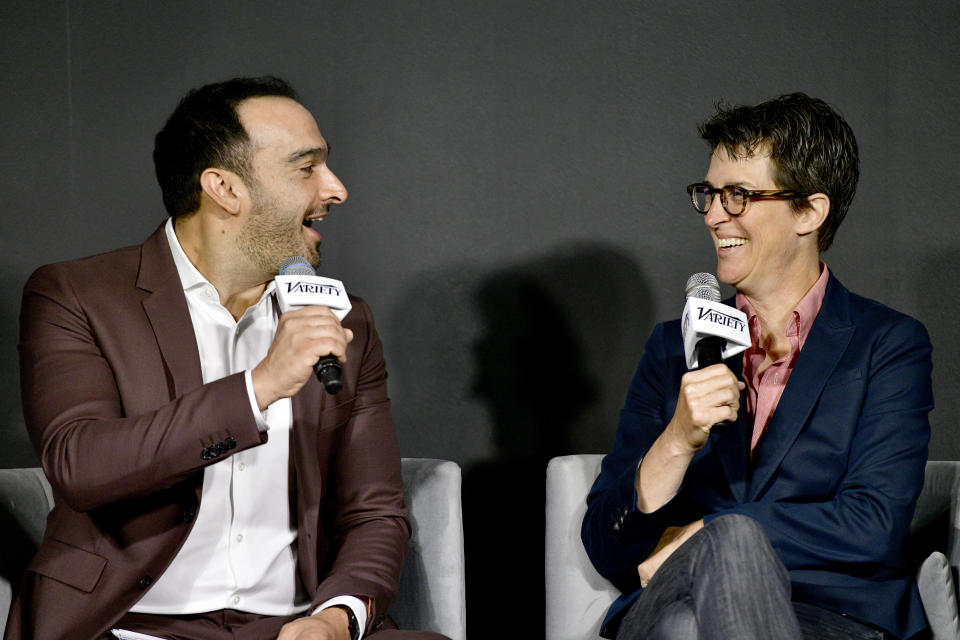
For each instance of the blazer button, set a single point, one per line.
(189, 515)
(231, 442)
(379, 622)
(144, 582)
(221, 448)
(206, 454)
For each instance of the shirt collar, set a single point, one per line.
(803, 314)
(190, 276)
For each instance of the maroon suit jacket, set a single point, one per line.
(118, 413)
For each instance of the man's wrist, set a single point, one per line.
(352, 625)
(254, 403)
(359, 607)
(262, 396)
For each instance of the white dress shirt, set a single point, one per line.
(241, 552)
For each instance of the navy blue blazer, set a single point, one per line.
(834, 479)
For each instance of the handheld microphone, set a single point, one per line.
(298, 286)
(712, 331)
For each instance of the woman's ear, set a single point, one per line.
(811, 218)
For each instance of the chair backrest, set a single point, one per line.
(577, 597)
(431, 595)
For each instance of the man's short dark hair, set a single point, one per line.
(811, 146)
(204, 131)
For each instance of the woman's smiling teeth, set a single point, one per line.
(723, 243)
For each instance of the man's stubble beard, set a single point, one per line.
(266, 240)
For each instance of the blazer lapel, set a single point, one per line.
(167, 312)
(822, 351)
(307, 405)
(306, 477)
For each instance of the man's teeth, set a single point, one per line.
(731, 242)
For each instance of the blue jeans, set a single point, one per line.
(726, 582)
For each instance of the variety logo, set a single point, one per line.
(313, 288)
(716, 317)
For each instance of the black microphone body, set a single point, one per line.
(710, 351)
(328, 369)
(330, 373)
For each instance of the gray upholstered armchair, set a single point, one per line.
(431, 595)
(577, 597)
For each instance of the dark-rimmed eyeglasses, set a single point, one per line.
(733, 198)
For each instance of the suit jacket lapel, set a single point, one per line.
(167, 312)
(306, 404)
(822, 351)
(730, 443)
(306, 477)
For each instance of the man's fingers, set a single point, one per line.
(303, 337)
(315, 332)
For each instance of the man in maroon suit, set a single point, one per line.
(205, 485)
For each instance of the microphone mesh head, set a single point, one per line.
(296, 266)
(703, 286)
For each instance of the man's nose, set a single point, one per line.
(332, 190)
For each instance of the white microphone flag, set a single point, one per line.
(702, 318)
(295, 292)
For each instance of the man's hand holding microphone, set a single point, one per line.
(309, 338)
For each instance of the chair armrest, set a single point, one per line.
(577, 597)
(934, 531)
(432, 596)
(25, 501)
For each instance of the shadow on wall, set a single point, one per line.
(938, 313)
(552, 333)
(16, 450)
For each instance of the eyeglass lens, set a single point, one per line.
(732, 198)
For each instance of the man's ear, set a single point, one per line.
(223, 187)
(812, 217)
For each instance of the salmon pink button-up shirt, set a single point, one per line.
(764, 388)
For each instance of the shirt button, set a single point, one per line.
(241, 466)
(236, 599)
(239, 537)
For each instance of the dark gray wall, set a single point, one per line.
(517, 216)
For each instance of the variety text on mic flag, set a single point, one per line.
(702, 318)
(295, 292)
